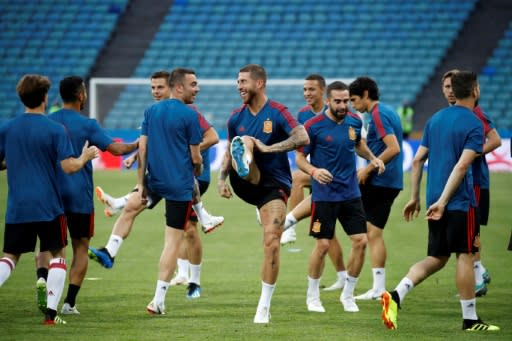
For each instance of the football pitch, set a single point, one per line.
(112, 302)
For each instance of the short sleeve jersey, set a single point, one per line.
(446, 135)
(306, 113)
(383, 120)
(171, 127)
(204, 125)
(32, 145)
(332, 146)
(77, 189)
(480, 167)
(272, 124)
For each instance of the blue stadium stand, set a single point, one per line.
(397, 42)
(56, 38)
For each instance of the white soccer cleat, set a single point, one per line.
(181, 280)
(338, 285)
(106, 200)
(349, 304)
(262, 315)
(258, 217)
(315, 305)
(69, 310)
(212, 223)
(289, 236)
(370, 295)
(155, 309)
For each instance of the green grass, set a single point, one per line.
(113, 305)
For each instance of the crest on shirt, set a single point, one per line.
(267, 126)
(352, 133)
(476, 242)
(316, 226)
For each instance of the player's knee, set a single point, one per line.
(359, 241)
(322, 246)
(271, 240)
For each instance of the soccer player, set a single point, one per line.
(191, 254)
(260, 132)
(77, 189)
(160, 90)
(334, 136)
(384, 138)
(480, 179)
(171, 128)
(452, 139)
(300, 207)
(33, 147)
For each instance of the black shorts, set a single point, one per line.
(350, 214)
(177, 213)
(80, 225)
(22, 238)
(456, 231)
(152, 196)
(377, 202)
(258, 195)
(483, 201)
(203, 187)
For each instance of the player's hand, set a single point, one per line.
(411, 210)
(322, 175)
(89, 153)
(129, 161)
(379, 165)
(435, 211)
(260, 146)
(224, 189)
(143, 192)
(198, 169)
(362, 176)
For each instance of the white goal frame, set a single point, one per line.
(95, 82)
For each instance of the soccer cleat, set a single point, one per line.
(101, 256)
(289, 236)
(179, 281)
(154, 309)
(239, 154)
(110, 211)
(262, 315)
(258, 218)
(370, 295)
(69, 310)
(212, 223)
(56, 320)
(349, 304)
(338, 285)
(486, 277)
(478, 326)
(315, 305)
(41, 294)
(193, 291)
(108, 201)
(389, 311)
(480, 289)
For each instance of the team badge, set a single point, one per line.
(316, 226)
(352, 133)
(267, 126)
(476, 242)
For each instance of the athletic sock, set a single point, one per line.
(6, 267)
(266, 294)
(195, 274)
(403, 288)
(290, 221)
(72, 293)
(313, 287)
(183, 267)
(114, 244)
(160, 292)
(469, 309)
(379, 279)
(55, 283)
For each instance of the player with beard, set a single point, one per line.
(260, 133)
(334, 137)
